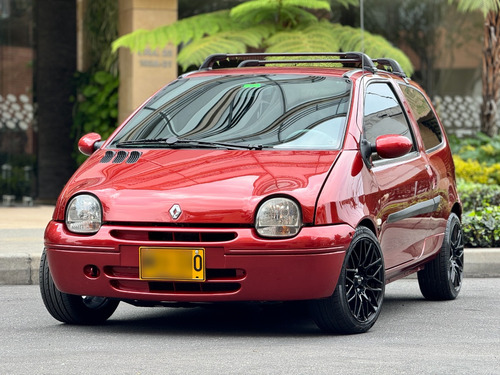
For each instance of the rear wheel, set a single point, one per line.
(441, 279)
(72, 309)
(355, 304)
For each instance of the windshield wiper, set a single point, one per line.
(174, 141)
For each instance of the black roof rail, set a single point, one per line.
(395, 67)
(257, 59)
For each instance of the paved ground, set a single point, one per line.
(412, 336)
(21, 243)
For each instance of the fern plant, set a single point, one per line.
(264, 26)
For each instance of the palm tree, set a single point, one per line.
(491, 60)
(263, 26)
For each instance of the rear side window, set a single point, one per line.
(427, 121)
(383, 114)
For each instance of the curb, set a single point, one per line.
(482, 262)
(22, 269)
(19, 269)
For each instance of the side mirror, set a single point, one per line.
(392, 146)
(387, 146)
(89, 143)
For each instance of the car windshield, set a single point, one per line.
(254, 111)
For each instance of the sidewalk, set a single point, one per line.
(21, 244)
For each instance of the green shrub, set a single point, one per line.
(21, 181)
(481, 228)
(96, 109)
(479, 172)
(475, 196)
(480, 148)
(481, 207)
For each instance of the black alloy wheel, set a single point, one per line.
(442, 278)
(356, 302)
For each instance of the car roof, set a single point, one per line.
(321, 63)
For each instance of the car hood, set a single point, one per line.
(210, 186)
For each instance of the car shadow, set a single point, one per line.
(235, 319)
(223, 319)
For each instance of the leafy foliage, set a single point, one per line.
(262, 25)
(481, 205)
(180, 32)
(97, 106)
(477, 159)
(317, 37)
(475, 196)
(286, 12)
(96, 103)
(481, 228)
(481, 148)
(20, 181)
(474, 171)
(484, 6)
(477, 165)
(101, 24)
(236, 42)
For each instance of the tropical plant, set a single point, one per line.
(96, 101)
(97, 109)
(490, 58)
(263, 26)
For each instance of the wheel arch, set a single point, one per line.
(369, 224)
(457, 210)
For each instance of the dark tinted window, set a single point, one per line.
(427, 121)
(280, 111)
(383, 114)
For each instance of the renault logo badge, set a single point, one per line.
(175, 211)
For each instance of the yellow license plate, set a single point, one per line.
(174, 264)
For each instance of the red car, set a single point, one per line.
(262, 177)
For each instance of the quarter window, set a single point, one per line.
(428, 124)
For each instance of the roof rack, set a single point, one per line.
(393, 64)
(259, 59)
(349, 59)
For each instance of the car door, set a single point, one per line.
(438, 160)
(403, 199)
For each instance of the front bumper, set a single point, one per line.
(240, 265)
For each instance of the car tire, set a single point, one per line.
(441, 279)
(72, 309)
(357, 299)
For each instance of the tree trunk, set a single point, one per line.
(491, 74)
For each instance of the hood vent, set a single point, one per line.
(121, 156)
(107, 157)
(134, 157)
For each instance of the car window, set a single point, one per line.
(383, 114)
(274, 110)
(428, 124)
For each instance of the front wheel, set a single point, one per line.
(355, 304)
(72, 309)
(441, 279)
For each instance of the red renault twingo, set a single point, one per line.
(261, 177)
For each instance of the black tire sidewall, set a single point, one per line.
(361, 234)
(69, 308)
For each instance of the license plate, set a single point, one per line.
(174, 264)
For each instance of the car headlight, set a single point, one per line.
(278, 217)
(83, 214)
